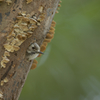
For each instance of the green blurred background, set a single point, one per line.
(70, 67)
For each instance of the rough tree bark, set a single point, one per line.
(12, 89)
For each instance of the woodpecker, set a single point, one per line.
(33, 51)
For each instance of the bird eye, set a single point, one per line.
(33, 48)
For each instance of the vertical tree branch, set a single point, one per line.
(18, 68)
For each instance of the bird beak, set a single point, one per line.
(40, 52)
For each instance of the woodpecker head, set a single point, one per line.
(33, 51)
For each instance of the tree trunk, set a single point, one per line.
(13, 76)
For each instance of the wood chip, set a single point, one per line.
(8, 2)
(28, 1)
(7, 47)
(5, 59)
(1, 95)
(2, 82)
(5, 80)
(40, 9)
(3, 65)
(6, 53)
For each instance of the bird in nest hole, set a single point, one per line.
(33, 51)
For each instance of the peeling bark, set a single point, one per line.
(18, 68)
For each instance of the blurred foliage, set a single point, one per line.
(70, 67)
